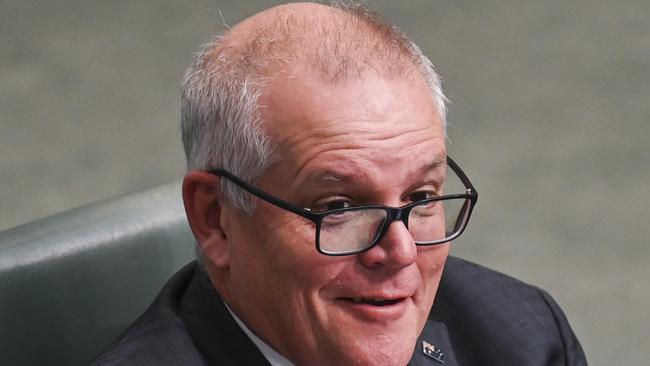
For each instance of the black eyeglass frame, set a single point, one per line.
(392, 213)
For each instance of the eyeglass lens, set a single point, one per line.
(355, 230)
(429, 223)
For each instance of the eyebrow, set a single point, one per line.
(330, 176)
(438, 163)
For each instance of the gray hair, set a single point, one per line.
(220, 122)
(220, 119)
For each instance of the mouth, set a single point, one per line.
(374, 309)
(372, 301)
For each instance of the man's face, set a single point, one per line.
(370, 140)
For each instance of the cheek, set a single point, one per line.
(431, 261)
(288, 245)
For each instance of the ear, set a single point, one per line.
(204, 206)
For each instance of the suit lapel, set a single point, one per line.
(433, 347)
(215, 333)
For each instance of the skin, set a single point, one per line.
(372, 140)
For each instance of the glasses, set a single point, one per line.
(351, 230)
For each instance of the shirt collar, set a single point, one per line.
(271, 355)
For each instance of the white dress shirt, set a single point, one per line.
(271, 355)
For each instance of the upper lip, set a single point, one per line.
(395, 289)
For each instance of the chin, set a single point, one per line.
(380, 349)
(381, 356)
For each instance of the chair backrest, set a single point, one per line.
(72, 282)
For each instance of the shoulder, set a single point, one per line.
(496, 319)
(159, 336)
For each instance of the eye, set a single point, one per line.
(331, 203)
(421, 195)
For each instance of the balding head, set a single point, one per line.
(335, 43)
(221, 122)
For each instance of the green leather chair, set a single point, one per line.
(72, 282)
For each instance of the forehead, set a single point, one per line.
(371, 118)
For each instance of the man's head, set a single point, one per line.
(323, 108)
(221, 121)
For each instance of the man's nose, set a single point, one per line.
(395, 249)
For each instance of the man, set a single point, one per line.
(319, 191)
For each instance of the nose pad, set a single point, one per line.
(405, 218)
(394, 248)
(396, 221)
(397, 215)
(400, 215)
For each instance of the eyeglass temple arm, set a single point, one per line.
(263, 195)
(463, 178)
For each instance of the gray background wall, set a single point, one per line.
(549, 118)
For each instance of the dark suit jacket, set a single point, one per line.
(480, 317)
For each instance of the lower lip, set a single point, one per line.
(374, 313)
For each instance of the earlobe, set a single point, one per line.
(204, 206)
